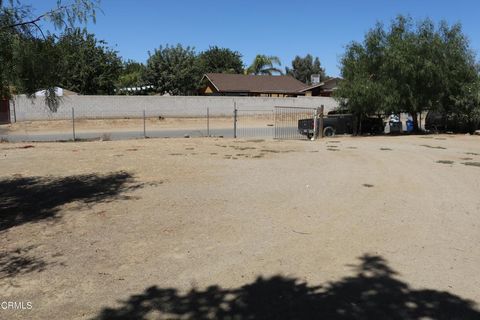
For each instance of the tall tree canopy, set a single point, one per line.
(26, 54)
(220, 60)
(303, 68)
(86, 65)
(173, 70)
(410, 67)
(264, 65)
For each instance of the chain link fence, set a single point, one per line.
(241, 123)
(80, 128)
(251, 123)
(286, 121)
(117, 118)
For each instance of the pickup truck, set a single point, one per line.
(340, 124)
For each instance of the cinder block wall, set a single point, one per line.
(25, 109)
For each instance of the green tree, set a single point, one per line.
(131, 75)
(35, 64)
(64, 15)
(360, 91)
(220, 60)
(173, 70)
(8, 42)
(264, 65)
(303, 68)
(86, 65)
(408, 68)
(22, 52)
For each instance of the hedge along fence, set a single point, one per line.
(105, 107)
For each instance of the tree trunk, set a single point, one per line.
(415, 122)
(360, 124)
(355, 125)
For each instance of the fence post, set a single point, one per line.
(235, 120)
(274, 122)
(73, 123)
(14, 111)
(315, 124)
(208, 122)
(144, 126)
(320, 127)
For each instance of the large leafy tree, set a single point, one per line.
(131, 76)
(36, 66)
(87, 65)
(173, 70)
(409, 67)
(220, 60)
(303, 68)
(360, 90)
(26, 53)
(264, 65)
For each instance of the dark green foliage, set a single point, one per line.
(220, 60)
(86, 65)
(410, 68)
(7, 38)
(29, 60)
(173, 70)
(36, 67)
(131, 74)
(303, 68)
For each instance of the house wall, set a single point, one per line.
(25, 109)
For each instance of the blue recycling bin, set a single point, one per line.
(409, 125)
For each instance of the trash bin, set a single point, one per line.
(409, 125)
(395, 127)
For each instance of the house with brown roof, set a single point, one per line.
(223, 84)
(323, 89)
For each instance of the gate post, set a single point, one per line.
(320, 122)
(235, 121)
(73, 124)
(208, 122)
(144, 126)
(315, 124)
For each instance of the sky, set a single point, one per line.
(281, 28)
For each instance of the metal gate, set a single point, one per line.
(254, 123)
(286, 121)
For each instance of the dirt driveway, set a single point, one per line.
(380, 227)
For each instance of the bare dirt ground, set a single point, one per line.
(378, 227)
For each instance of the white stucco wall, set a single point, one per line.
(25, 109)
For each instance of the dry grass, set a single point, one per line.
(445, 161)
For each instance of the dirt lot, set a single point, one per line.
(380, 227)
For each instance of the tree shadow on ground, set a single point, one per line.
(374, 292)
(19, 261)
(31, 199)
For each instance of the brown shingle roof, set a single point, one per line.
(255, 83)
(322, 84)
